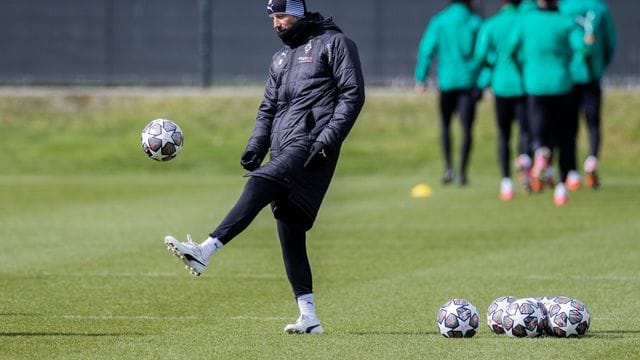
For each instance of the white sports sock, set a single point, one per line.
(210, 246)
(307, 306)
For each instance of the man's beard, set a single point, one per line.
(298, 33)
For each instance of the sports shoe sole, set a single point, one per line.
(172, 249)
(315, 329)
(592, 180)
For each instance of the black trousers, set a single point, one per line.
(464, 103)
(256, 195)
(508, 109)
(588, 97)
(553, 120)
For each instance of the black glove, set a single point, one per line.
(250, 160)
(317, 155)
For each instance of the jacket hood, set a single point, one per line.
(324, 23)
(305, 28)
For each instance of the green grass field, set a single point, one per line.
(84, 273)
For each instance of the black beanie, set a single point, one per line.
(296, 8)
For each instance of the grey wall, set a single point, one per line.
(164, 42)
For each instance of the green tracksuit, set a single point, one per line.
(451, 35)
(492, 49)
(528, 5)
(599, 32)
(544, 42)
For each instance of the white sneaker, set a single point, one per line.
(539, 169)
(573, 181)
(506, 189)
(590, 164)
(560, 194)
(189, 252)
(304, 325)
(591, 175)
(523, 167)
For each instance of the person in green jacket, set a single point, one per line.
(508, 89)
(599, 34)
(451, 35)
(544, 42)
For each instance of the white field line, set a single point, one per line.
(584, 278)
(114, 274)
(123, 317)
(168, 318)
(259, 318)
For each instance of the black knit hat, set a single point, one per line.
(292, 7)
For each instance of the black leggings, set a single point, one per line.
(589, 98)
(554, 121)
(464, 102)
(257, 194)
(508, 109)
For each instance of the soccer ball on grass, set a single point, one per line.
(568, 317)
(458, 318)
(496, 310)
(524, 318)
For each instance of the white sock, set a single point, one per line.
(307, 306)
(210, 246)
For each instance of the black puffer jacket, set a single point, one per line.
(314, 92)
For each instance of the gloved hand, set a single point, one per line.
(317, 155)
(250, 160)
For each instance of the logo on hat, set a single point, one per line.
(270, 6)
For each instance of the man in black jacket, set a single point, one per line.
(313, 95)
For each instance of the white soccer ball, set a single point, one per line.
(496, 310)
(546, 302)
(524, 318)
(458, 318)
(568, 317)
(162, 139)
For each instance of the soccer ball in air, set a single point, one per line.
(496, 310)
(458, 318)
(524, 318)
(162, 139)
(568, 317)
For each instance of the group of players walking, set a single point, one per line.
(543, 61)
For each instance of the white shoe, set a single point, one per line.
(573, 181)
(560, 195)
(591, 175)
(539, 170)
(189, 252)
(523, 167)
(304, 325)
(506, 189)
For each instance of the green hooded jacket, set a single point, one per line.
(492, 50)
(451, 34)
(543, 43)
(599, 34)
(528, 5)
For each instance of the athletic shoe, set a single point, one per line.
(462, 180)
(189, 252)
(539, 170)
(523, 168)
(573, 181)
(506, 189)
(560, 194)
(591, 175)
(549, 180)
(447, 177)
(304, 325)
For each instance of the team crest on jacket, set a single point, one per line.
(307, 58)
(279, 62)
